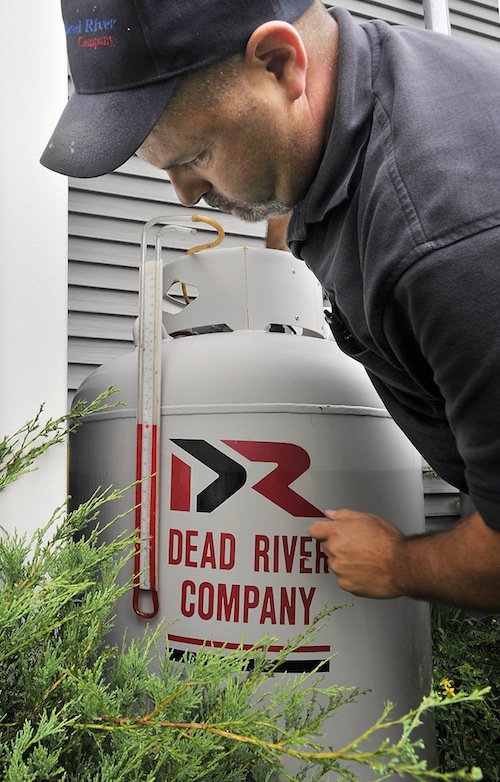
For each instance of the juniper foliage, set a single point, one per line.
(72, 707)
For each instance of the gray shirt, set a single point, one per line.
(402, 228)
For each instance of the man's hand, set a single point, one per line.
(371, 558)
(363, 551)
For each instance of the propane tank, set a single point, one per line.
(264, 423)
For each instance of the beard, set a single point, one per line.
(252, 212)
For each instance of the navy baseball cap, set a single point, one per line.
(127, 58)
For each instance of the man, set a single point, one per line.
(385, 143)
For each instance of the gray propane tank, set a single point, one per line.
(264, 423)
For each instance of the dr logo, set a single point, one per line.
(291, 461)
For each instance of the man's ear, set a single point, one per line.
(278, 48)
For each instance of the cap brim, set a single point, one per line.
(97, 133)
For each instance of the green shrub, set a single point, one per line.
(466, 651)
(73, 708)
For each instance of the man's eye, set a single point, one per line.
(192, 163)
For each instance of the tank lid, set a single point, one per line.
(244, 288)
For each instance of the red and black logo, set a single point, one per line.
(291, 462)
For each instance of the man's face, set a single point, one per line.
(237, 152)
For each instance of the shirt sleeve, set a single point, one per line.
(446, 309)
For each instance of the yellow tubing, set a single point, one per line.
(218, 227)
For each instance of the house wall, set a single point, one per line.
(33, 249)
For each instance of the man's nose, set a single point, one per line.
(188, 186)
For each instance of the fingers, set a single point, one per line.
(321, 529)
(363, 551)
